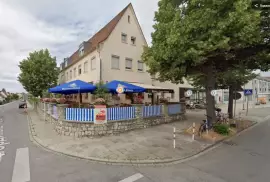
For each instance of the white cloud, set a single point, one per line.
(60, 26)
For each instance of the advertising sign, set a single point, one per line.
(120, 90)
(100, 114)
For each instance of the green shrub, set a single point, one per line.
(222, 129)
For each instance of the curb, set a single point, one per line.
(138, 162)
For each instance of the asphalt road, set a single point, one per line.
(246, 159)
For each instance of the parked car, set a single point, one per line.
(22, 105)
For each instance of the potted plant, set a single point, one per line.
(100, 101)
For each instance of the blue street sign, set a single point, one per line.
(248, 92)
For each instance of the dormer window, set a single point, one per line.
(128, 19)
(81, 49)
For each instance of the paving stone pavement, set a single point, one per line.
(145, 146)
(148, 145)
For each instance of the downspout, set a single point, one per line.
(100, 64)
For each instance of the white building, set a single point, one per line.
(114, 53)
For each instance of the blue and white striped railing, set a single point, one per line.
(120, 113)
(151, 111)
(79, 114)
(174, 109)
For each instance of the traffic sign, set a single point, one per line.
(188, 93)
(213, 92)
(248, 92)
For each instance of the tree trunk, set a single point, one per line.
(230, 105)
(210, 100)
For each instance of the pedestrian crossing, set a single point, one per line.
(21, 169)
(132, 178)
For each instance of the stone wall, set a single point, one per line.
(87, 129)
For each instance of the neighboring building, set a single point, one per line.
(3, 94)
(259, 85)
(114, 53)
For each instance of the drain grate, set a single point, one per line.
(230, 143)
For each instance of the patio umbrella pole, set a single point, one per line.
(79, 99)
(50, 108)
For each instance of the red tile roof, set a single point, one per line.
(99, 37)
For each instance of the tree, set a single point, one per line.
(39, 72)
(206, 38)
(233, 80)
(101, 91)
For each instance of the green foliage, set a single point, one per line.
(189, 37)
(101, 91)
(222, 129)
(235, 77)
(38, 72)
(11, 97)
(206, 39)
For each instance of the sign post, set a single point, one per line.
(247, 93)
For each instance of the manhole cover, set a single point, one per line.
(229, 143)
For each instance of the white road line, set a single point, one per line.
(132, 178)
(21, 170)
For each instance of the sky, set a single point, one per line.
(59, 25)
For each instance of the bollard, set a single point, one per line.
(207, 127)
(193, 132)
(174, 137)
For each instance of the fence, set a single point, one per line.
(55, 112)
(79, 114)
(152, 111)
(174, 109)
(115, 113)
(121, 113)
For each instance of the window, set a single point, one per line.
(75, 72)
(128, 63)
(67, 76)
(79, 70)
(124, 38)
(115, 62)
(140, 66)
(172, 95)
(70, 74)
(81, 49)
(93, 63)
(128, 19)
(86, 96)
(133, 40)
(85, 67)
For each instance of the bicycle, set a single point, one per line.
(221, 117)
(204, 126)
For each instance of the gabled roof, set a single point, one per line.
(99, 37)
(3, 94)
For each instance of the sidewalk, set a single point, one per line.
(146, 146)
(151, 145)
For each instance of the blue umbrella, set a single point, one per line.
(73, 87)
(127, 87)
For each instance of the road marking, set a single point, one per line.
(132, 178)
(21, 170)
